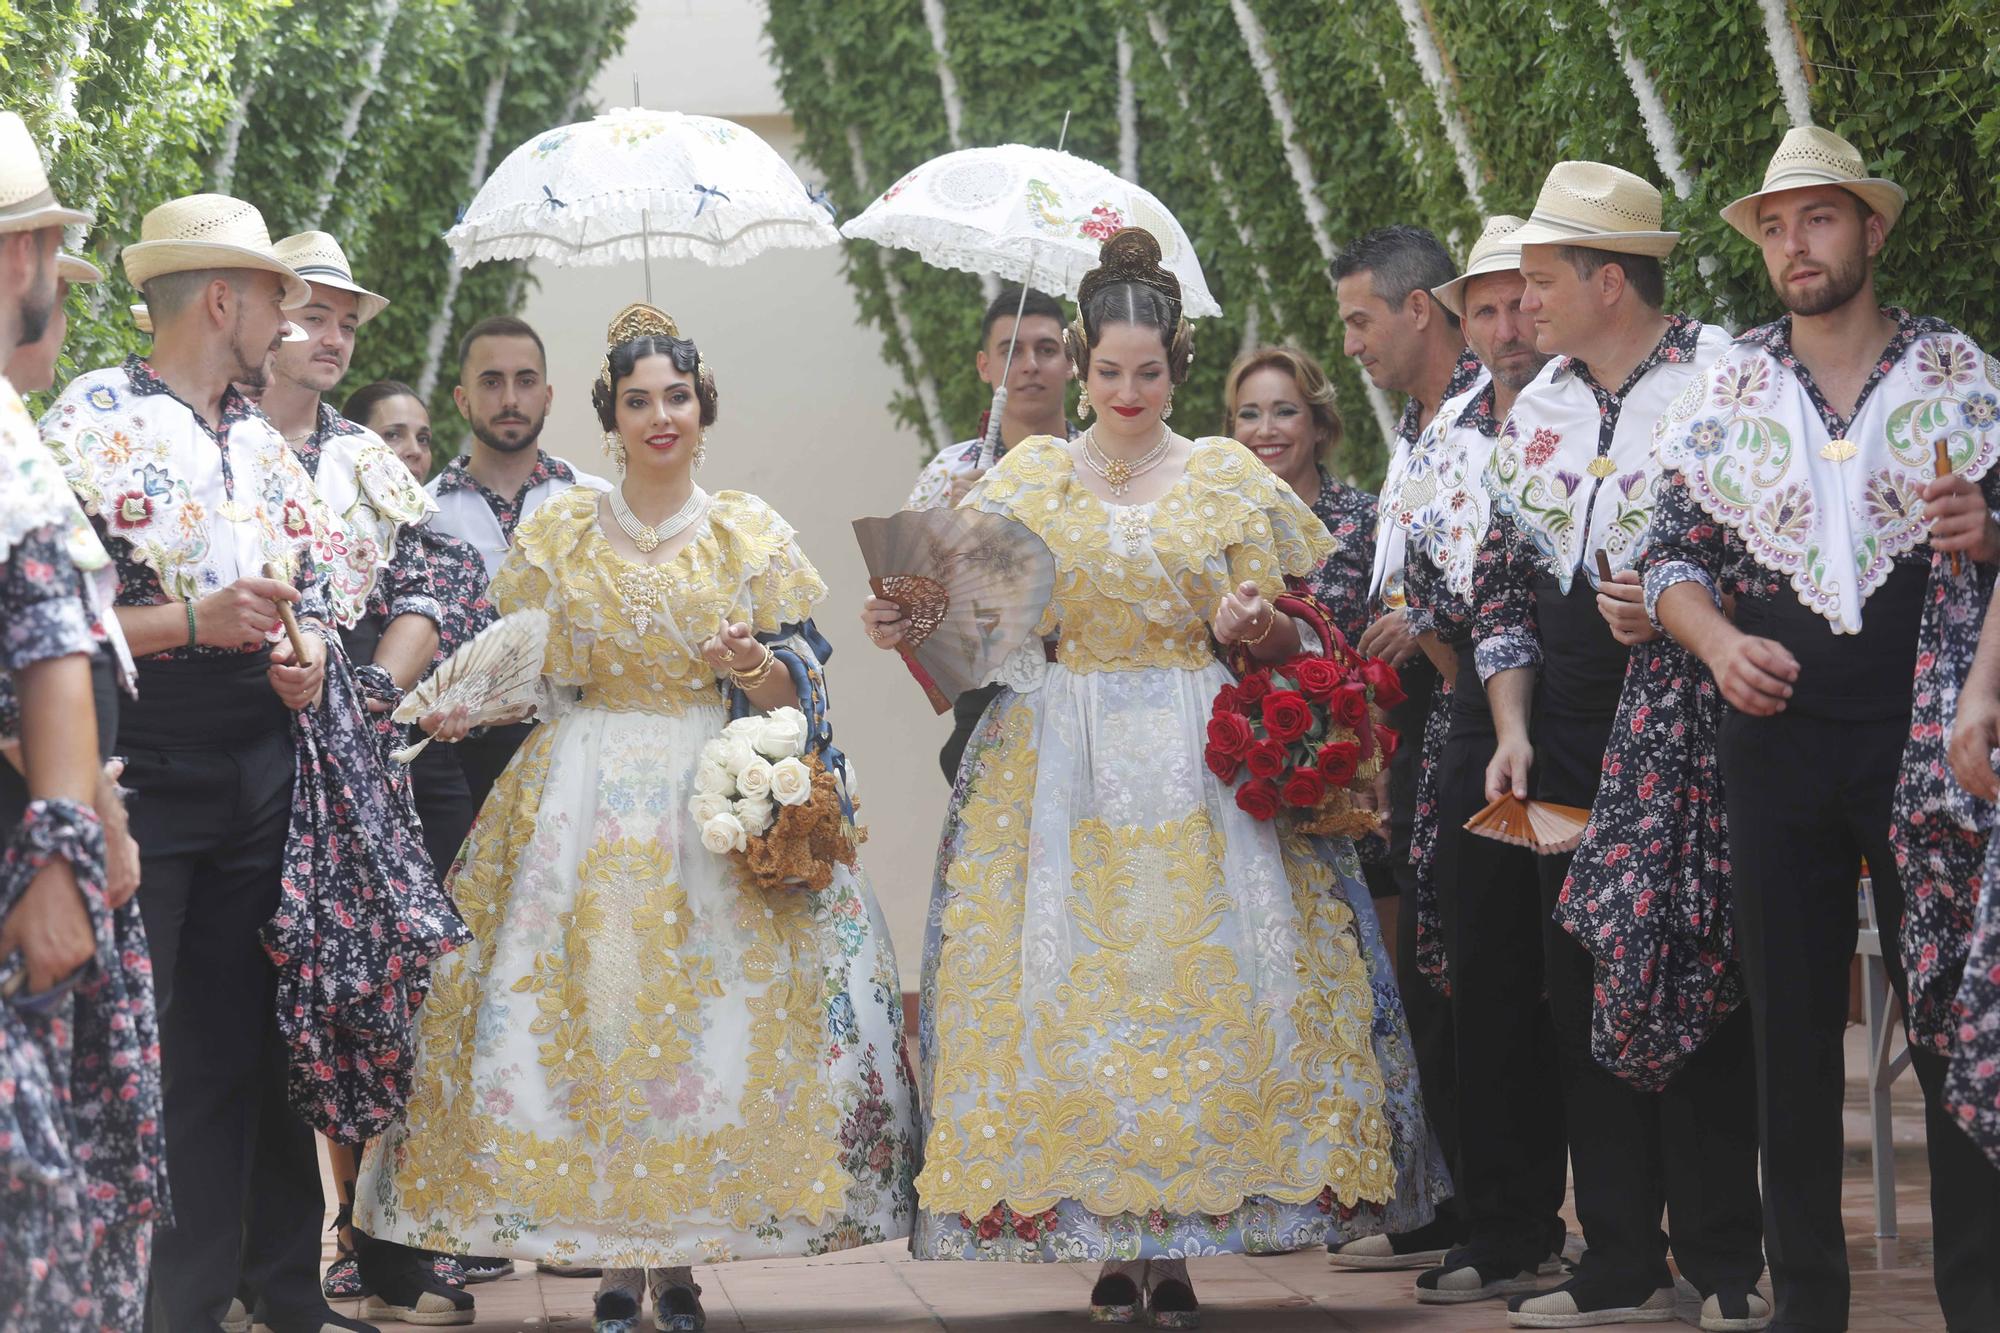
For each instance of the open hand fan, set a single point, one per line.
(974, 586)
(493, 676)
(1542, 826)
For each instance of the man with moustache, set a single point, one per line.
(194, 491)
(1407, 343)
(1480, 925)
(1852, 564)
(1034, 406)
(482, 495)
(1574, 479)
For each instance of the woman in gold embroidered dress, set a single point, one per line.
(1146, 1020)
(644, 1061)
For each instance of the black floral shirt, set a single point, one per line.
(1509, 563)
(1937, 830)
(1463, 373)
(138, 583)
(457, 476)
(1341, 584)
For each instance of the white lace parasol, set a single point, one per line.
(636, 184)
(1011, 209)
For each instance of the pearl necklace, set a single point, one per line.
(646, 538)
(1117, 472)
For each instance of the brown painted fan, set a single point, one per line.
(974, 586)
(1543, 827)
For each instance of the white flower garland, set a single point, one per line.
(1430, 61)
(1786, 60)
(919, 377)
(1128, 111)
(1660, 132)
(1157, 29)
(475, 177)
(350, 124)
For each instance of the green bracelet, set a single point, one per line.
(191, 634)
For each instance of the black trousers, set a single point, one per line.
(211, 826)
(1513, 1157)
(1690, 1151)
(444, 801)
(1809, 799)
(484, 758)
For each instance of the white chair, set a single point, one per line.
(1888, 1057)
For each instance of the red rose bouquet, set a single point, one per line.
(1303, 736)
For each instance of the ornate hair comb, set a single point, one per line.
(640, 320)
(1131, 254)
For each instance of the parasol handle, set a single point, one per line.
(989, 448)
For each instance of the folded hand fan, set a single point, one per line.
(1541, 826)
(974, 586)
(493, 675)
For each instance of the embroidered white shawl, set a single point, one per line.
(144, 465)
(1541, 471)
(1747, 440)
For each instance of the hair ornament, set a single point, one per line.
(640, 320)
(1131, 254)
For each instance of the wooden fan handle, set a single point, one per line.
(272, 570)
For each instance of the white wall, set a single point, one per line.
(804, 419)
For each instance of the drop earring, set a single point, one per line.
(1167, 412)
(1083, 403)
(701, 450)
(614, 448)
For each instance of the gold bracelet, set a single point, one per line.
(755, 676)
(1270, 623)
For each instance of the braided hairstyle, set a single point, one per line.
(1130, 286)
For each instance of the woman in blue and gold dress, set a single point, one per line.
(644, 1061)
(1146, 1016)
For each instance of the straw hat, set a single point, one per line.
(318, 258)
(26, 202)
(1597, 207)
(1496, 251)
(1812, 156)
(202, 231)
(75, 270)
(142, 319)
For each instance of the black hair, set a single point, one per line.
(361, 404)
(500, 326)
(1643, 273)
(1003, 307)
(1399, 260)
(628, 354)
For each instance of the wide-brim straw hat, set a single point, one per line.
(1598, 207)
(76, 270)
(318, 258)
(1811, 156)
(143, 319)
(26, 201)
(204, 231)
(1496, 251)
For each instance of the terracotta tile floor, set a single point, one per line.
(880, 1288)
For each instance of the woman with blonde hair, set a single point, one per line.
(1278, 404)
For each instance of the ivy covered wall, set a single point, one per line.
(366, 118)
(1278, 129)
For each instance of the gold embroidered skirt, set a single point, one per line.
(640, 1061)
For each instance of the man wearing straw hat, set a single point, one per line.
(83, 1183)
(1479, 913)
(1573, 480)
(195, 493)
(1840, 462)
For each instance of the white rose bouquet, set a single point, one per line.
(762, 797)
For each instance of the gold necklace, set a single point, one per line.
(646, 538)
(1117, 472)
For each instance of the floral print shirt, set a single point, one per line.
(1510, 562)
(1938, 830)
(457, 476)
(1341, 584)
